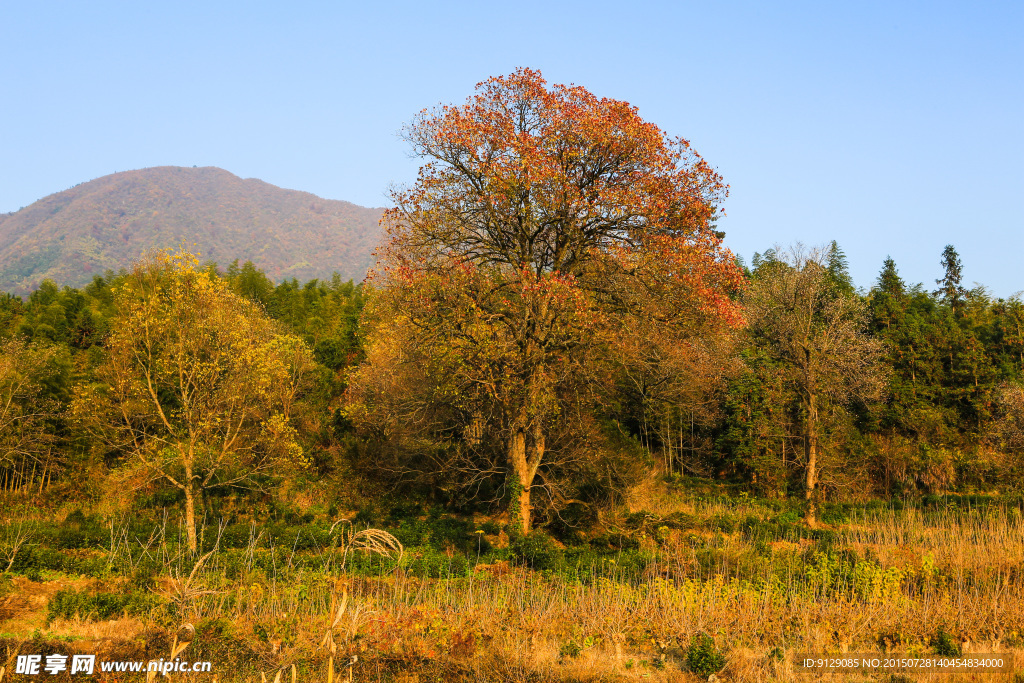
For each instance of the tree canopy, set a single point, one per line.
(198, 385)
(547, 224)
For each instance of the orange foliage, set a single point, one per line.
(546, 226)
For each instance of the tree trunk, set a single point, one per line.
(811, 449)
(524, 455)
(519, 485)
(190, 515)
(190, 505)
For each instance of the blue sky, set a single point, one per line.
(895, 128)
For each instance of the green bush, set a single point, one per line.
(680, 520)
(537, 551)
(145, 574)
(71, 604)
(724, 523)
(615, 540)
(944, 644)
(35, 559)
(448, 532)
(237, 536)
(702, 657)
(571, 650)
(432, 563)
(835, 514)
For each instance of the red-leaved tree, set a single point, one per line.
(546, 227)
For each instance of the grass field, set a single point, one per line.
(679, 591)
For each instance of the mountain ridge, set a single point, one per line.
(109, 222)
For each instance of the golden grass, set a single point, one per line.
(961, 571)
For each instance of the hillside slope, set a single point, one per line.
(110, 222)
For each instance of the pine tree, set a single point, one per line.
(950, 284)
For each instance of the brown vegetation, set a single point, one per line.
(108, 223)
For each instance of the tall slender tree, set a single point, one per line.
(805, 320)
(950, 284)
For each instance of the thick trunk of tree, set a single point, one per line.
(519, 485)
(811, 452)
(524, 455)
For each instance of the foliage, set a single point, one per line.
(198, 387)
(103, 224)
(805, 318)
(537, 551)
(72, 604)
(34, 383)
(702, 657)
(545, 222)
(945, 645)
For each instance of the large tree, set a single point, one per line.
(546, 226)
(199, 385)
(810, 323)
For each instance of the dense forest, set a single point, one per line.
(943, 413)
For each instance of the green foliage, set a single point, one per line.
(435, 564)
(944, 644)
(537, 551)
(702, 656)
(937, 441)
(72, 604)
(570, 650)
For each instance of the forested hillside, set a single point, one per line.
(108, 223)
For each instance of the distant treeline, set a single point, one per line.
(946, 417)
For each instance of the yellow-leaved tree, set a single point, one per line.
(199, 385)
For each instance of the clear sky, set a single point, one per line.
(893, 127)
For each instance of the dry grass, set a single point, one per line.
(960, 571)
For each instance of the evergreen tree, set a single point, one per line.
(839, 268)
(950, 284)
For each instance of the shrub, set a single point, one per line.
(75, 517)
(570, 650)
(724, 523)
(945, 645)
(537, 551)
(70, 604)
(615, 540)
(448, 532)
(434, 564)
(145, 573)
(680, 520)
(702, 657)
(835, 514)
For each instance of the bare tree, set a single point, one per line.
(802, 315)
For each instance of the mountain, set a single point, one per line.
(108, 223)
